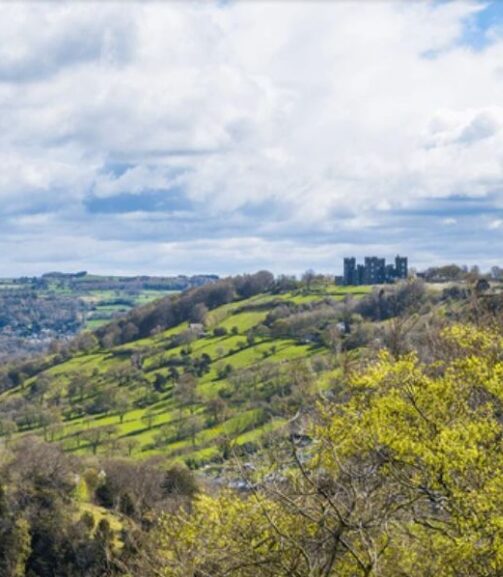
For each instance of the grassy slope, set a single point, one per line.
(242, 423)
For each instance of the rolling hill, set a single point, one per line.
(188, 391)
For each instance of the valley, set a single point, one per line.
(37, 310)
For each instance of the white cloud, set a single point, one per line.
(323, 117)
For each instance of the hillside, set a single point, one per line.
(189, 390)
(314, 414)
(225, 365)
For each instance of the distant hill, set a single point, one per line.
(36, 310)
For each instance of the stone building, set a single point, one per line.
(374, 271)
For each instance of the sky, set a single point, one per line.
(227, 137)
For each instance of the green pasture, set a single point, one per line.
(229, 353)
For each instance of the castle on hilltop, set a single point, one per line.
(374, 270)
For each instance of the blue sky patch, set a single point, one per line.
(481, 30)
(147, 201)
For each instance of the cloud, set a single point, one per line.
(39, 41)
(482, 126)
(182, 130)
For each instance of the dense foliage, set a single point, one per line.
(404, 477)
(67, 517)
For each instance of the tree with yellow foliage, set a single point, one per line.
(404, 477)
